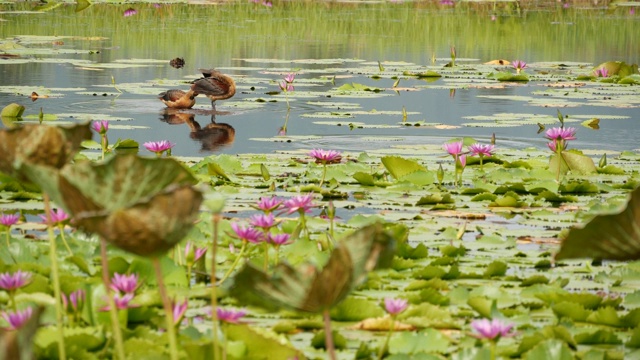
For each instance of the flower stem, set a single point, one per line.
(214, 296)
(64, 240)
(493, 350)
(324, 174)
(113, 312)
(168, 311)
(189, 275)
(235, 262)
(328, 335)
(266, 256)
(382, 351)
(53, 255)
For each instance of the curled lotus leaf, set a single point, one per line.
(44, 145)
(312, 289)
(142, 205)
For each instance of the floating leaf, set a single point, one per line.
(311, 289)
(12, 111)
(399, 167)
(613, 236)
(257, 340)
(550, 349)
(571, 161)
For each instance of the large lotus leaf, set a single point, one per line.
(257, 340)
(147, 228)
(399, 167)
(44, 145)
(308, 288)
(575, 162)
(122, 181)
(610, 236)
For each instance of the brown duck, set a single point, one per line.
(178, 99)
(214, 85)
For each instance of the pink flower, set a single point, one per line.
(286, 87)
(325, 156)
(230, 315)
(519, 65)
(269, 204)
(558, 133)
(159, 147)
(14, 281)
(124, 283)
(290, 77)
(602, 72)
(248, 233)
(453, 148)
(179, 309)
(481, 150)
(76, 298)
(9, 220)
(552, 145)
(122, 302)
(193, 253)
(446, 2)
(462, 161)
(278, 239)
(58, 216)
(263, 221)
(17, 319)
(492, 329)
(300, 203)
(100, 126)
(130, 12)
(395, 306)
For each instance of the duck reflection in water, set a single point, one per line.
(213, 136)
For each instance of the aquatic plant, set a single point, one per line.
(101, 127)
(159, 147)
(393, 308)
(17, 318)
(325, 157)
(519, 65)
(286, 86)
(7, 221)
(481, 150)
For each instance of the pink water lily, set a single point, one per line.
(179, 309)
(122, 301)
(285, 86)
(193, 253)
(290, 77)
(481, 149)
(518, 65)
(325, 156)
(278, 239)
(130, 12)
(75, 299)
(247, 233)
(100, 126)
(9, 220)
(602, 72)
(492, 329)
(127, 284)
(269, 204)
(453, 148)
(14, 281)
(231, 316)
(264, 221)
(300, 204)
(395, 306)
(58, 216)
(18, 318)
(560, 133)
(159, 147)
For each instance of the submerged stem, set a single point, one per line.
(214, 296)
(53, 255)
(235, 262)
(113, 311)
(168, 311)
(328, 335)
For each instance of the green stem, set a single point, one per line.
(324, 174)
(328, 335)
(168, 311)
(266, 256)
(189, 275)
(53, 255)
(214, 295)
(64, 240)
(226, 343)
(8, 235)
(382, 351)
(113, 312)
(105, 144)
(12, 300)
(277, 248)
(303, 224)
(493, 350)
(235, 262)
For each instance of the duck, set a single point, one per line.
(214, 85)
(178, 99)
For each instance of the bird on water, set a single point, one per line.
(214, 85)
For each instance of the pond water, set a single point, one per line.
(72, 54)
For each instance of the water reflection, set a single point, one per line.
(212, 137)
